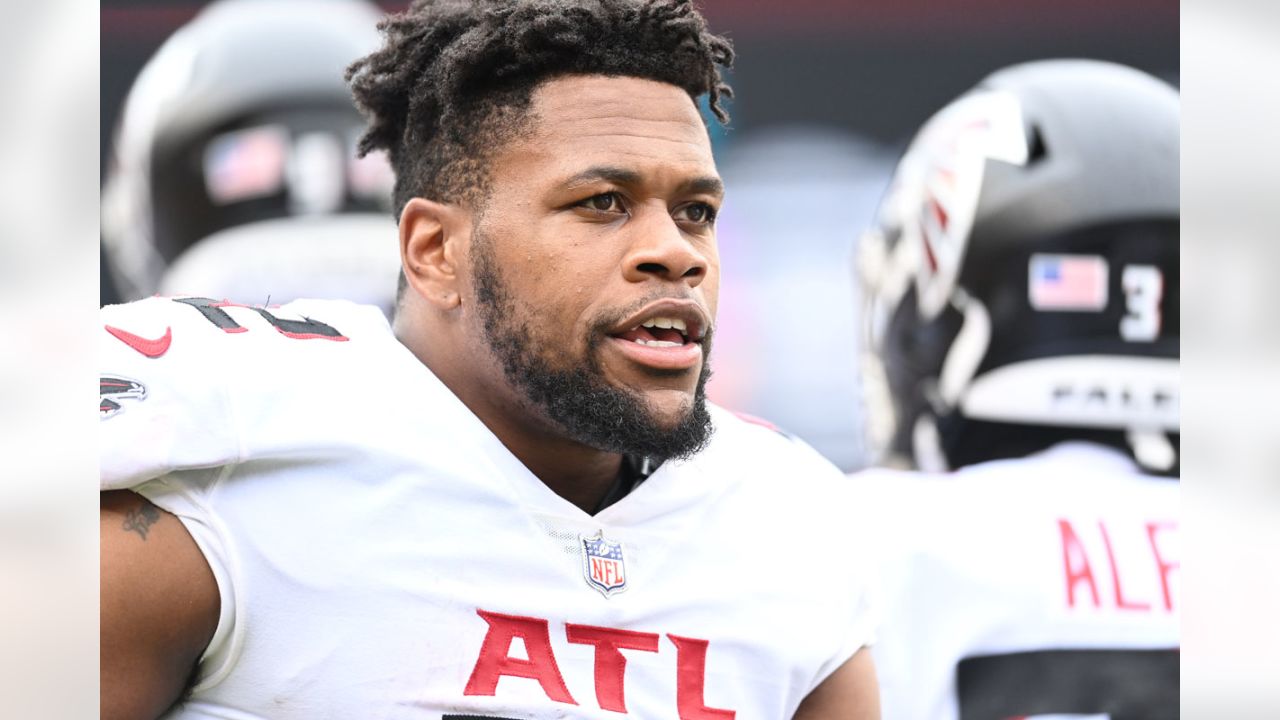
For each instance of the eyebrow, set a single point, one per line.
(622, 176)
(708, 185)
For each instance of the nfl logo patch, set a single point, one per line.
(602, 564)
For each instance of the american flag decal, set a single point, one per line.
(246, 164)
(1075, 283)
(602, 564)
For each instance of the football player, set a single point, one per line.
(1021, 288)
(515, 502)
(234, 171)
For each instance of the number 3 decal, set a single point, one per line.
(1143, 287)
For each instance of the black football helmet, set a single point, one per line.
(1020, 286)
(239, 135)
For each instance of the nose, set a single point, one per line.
(660, 249)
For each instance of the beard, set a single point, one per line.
(579, 400)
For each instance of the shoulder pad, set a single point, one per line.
(170, 368)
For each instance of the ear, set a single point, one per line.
(431, 236)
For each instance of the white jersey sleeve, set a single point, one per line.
(836, 518)
(184, 402)
(164, 402)
(807, 503)
(848, 517)
(178, 384)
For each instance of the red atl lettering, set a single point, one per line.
(1121, 603)
(1153, 528)
(1076, 563)
(495, 659)
(611, 665)
(691, 678)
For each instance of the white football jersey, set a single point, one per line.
(381, 554)
(1045, 586)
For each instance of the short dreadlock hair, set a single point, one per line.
(454, 77)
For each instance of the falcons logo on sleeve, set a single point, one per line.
(114, 388)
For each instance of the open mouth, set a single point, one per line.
(666, 336)
(658, 332)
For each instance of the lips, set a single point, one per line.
(665, 335)
(685, 317)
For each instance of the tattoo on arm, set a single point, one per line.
(141, 519)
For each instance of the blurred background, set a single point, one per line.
(828, 93)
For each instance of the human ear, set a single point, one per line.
(430, 233)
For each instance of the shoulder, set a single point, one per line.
(791, 511)
(1067, 470)
(162, 336)
(180, 377)
(776, 475)
(156, 325)
(750, 442)
(197, 345)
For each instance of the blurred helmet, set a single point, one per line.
(241, 120)
(1020, 285)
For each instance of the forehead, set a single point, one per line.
(646, 125)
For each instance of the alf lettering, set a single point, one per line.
(1149, 559)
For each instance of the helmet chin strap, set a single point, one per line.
(926, 445)
(958, 368)
(880, 417)
(966, 352)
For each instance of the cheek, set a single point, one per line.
(711, 285)
(559, 271)
(557, 294)
(550, 253)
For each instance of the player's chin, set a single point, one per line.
(668, 407)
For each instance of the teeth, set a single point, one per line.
(665, 322)
(657, 343)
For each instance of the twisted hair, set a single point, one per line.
(454, 79)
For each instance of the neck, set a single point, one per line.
(575, 472)
(578, 473)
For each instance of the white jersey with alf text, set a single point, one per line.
(1045, 586)
(380, 553)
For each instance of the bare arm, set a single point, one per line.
(849, 693)
(159, 607)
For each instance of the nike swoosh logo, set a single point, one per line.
(146, 346)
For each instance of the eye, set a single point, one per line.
(610, 202)
(697, 213)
